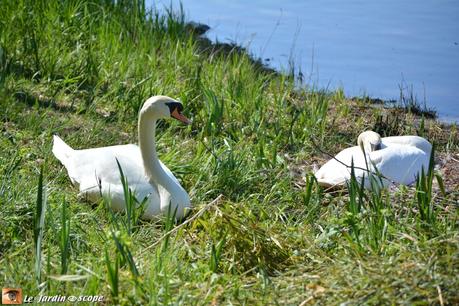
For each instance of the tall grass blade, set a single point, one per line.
(125, 252)
(424, 192)
(133, 208)
(64, 242)
(39, 224)
(113, 275)
(216, 253)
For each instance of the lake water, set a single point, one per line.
(365, 47)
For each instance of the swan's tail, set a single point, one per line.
(61, 150)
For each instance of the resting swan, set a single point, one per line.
(399, 159)
(96, 170)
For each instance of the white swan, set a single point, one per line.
(399, 159)
(96, 171)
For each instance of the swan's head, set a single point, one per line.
(163, 107)
(369, 141)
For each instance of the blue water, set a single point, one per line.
(366, 47)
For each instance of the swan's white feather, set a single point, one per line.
(400, 160)
(96, 172)
(412, 141)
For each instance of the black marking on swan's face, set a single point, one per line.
(175, 106)
(175, 110)
(376, 147)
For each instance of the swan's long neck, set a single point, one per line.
(153, 169)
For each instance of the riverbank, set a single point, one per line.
(377, 50)
(82, 71)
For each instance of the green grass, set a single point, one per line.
(82, 70)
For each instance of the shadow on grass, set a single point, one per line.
(32, 100)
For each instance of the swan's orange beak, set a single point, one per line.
(177, 115)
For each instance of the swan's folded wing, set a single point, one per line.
(332, 173)
(97, 165)
(408, 141)
(338, 169)
(400, 164)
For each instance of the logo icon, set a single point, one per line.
(11, 296)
